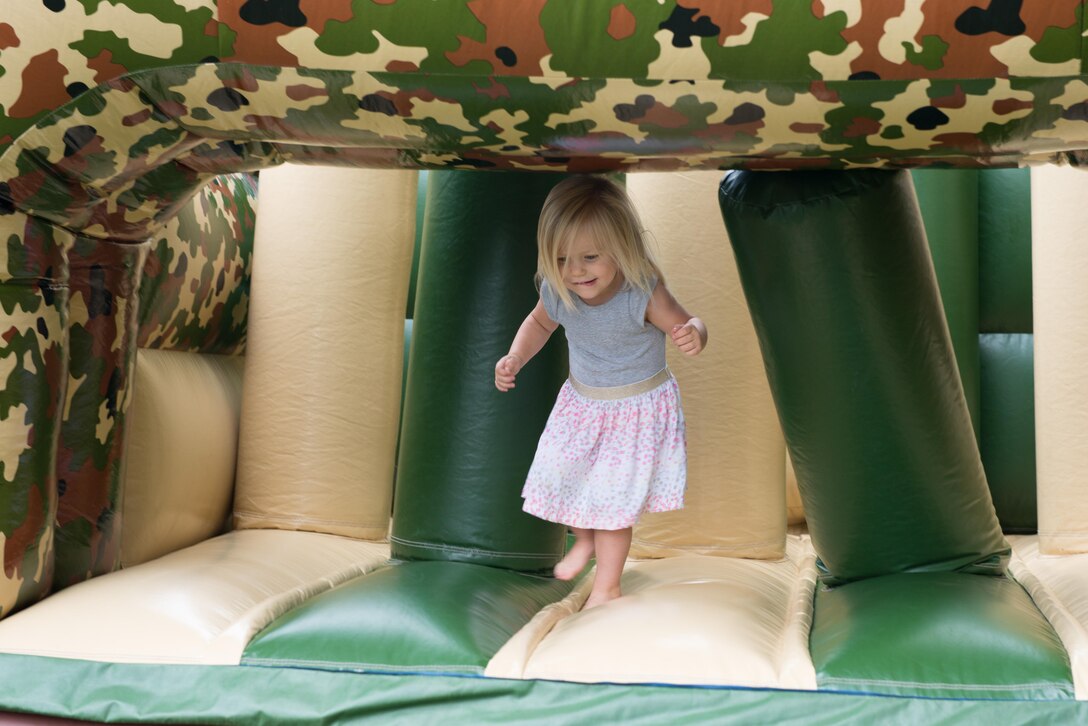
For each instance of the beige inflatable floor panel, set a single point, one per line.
(694, 619)
(201, 604)
(1059, 586)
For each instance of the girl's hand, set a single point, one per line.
(687, 338)
(670, 317)
(505, 371)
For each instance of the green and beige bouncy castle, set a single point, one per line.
(259, 260)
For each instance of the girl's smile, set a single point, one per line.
(589, 274)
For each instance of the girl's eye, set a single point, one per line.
(562, 261)
(591, 258)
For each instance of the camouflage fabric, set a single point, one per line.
(192, 295)
(114, 165)
(51, 51)
(104, 279)
(33, 358)
(572, 84)
(195, 290)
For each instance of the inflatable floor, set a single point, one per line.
(260, 257)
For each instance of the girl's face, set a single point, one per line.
(589, 273)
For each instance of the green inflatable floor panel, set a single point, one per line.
(233, 695)
(940, 634)
(1008, 427)
(426, 617)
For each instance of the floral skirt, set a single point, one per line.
(601, 462)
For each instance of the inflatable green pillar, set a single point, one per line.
(465, 447)
(841, 289)
(948, 200)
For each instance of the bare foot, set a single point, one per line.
(600, 598)
(575, 561)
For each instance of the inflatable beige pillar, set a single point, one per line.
(1059, 220)
(736, 498)
(321, 393)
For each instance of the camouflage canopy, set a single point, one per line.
(112, 112)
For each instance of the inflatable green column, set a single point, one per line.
(842, 292)
(421, 208)
(948, 200)
(465, 447)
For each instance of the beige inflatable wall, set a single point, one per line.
(321, 393)
(182, 450)
(795, 508)
(1059, 234)
(736, 498)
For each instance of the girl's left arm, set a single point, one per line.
(665, 313)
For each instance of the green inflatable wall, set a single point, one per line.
(1006, 345)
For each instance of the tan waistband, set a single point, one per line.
(611, 393)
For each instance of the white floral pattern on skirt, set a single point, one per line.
(600, 464)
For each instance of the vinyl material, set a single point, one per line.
(1059, 217)
(937, 634)
(182, 450)
(735, 500)
(841, 288)
(1007, 440)
(948, 201)
(325, 350)
(201, 604)
(430, 617)
(465, 447)
(1059, 586)
(693, 620)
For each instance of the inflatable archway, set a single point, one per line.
(202, 414)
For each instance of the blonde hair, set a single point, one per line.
(601, 208)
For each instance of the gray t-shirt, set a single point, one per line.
(610, 344)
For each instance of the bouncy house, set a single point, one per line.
(261, 257)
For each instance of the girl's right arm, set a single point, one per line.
(531, 337)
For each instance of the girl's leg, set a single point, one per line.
(612, 546)
(578, 557)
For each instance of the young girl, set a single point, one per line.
(614, 444)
